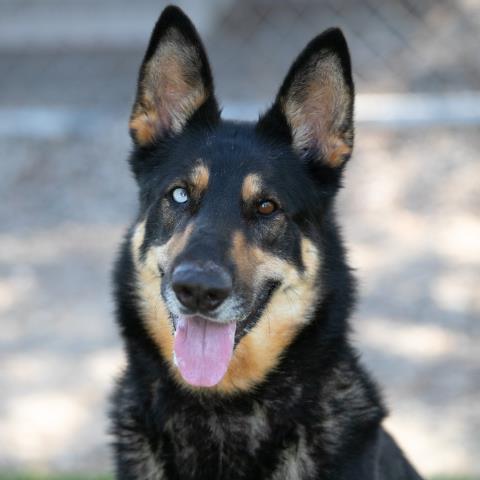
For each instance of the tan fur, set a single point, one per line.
(149, 282)
(199, 178)
(316, 108)
(170, 92)
(260, 350)
(244, 257)
(251, 187)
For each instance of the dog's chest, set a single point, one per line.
(208, 442)
(224, 445)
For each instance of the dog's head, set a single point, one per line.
(229, 246)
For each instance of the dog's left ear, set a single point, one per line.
(314, 107)
(175, 81)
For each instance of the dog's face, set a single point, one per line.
(228, 246)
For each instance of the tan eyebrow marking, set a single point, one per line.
(199, 176)
(251, 187)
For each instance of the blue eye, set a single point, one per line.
(180, 195)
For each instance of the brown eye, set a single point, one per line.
(266, 207)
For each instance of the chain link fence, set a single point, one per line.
(87, 53)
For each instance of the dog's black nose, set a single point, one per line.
(201, 287)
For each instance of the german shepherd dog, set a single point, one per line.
(232, 288)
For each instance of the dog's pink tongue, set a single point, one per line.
(203, 350)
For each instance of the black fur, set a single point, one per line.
(318, 414)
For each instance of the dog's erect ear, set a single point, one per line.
(314, 107)
(175, 80)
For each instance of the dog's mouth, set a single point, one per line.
(203, 349)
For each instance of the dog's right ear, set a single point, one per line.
(314, 107)
(175, 81)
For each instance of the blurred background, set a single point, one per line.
(410, 210)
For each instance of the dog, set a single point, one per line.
(232, 288)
